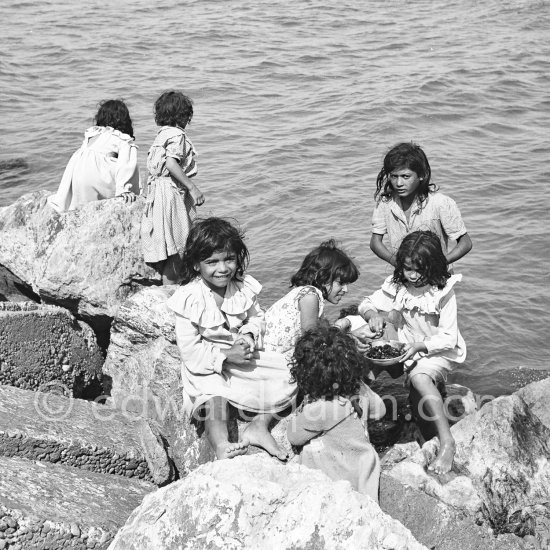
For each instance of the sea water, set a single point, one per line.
(296, 104)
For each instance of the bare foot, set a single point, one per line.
(259, 436)
(230, 450)
(444, 459)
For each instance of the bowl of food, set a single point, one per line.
(385, 353)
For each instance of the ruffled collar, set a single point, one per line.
(96, 130)
(425, 300)
(196, 301)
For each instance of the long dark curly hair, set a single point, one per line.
(326, 363)
(400, 157)
(323, 265)
(422, 249)
(114, 113)
(208, 236)
(173, 108)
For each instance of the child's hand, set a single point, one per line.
(413, 349)
(247, 338)
(128, 196)
(239, 353)
(196, 195)
(377, 324)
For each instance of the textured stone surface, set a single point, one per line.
(44, 346)
(144, 366)
(49, 506)
(501, 474)
(256, 502)
(74, 432)
(537, 396)
(87, 260)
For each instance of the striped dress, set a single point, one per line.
(169, 209)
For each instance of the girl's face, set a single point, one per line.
(411, 274)
(336, 291)
(218, 270)
(404, 181)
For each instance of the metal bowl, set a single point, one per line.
(390, 361)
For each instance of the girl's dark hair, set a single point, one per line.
(173, 108)
(208, 236)
(424, 252)
(401, 157)
(326, 363)
(114, 113)
(323, 265)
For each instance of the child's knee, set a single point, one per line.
(421, 381)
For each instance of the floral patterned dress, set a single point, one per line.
(283, 327)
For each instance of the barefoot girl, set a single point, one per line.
(421, 290)
(171, 194)
(331, 421)
(218, 330)
(105, 166)
(406, 201)
(323, 276)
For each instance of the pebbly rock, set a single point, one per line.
(256, 502)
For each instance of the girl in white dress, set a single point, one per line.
(171, 192)
(420, 302)
(105, 166)
(331, 423)
(219, 330)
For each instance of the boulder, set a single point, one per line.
(501, 474)
(144, 366)
(256, 502)
(44, 347)
(536, 396)
(88, 260)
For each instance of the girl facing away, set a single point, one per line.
(407, 201)
(105, 165)
(419, 300)
(171, 193)
(324, 276)
(219, 326)
(330, 424)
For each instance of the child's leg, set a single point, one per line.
(431, 410)
(257, 433)
(215, 426)
(171, 270)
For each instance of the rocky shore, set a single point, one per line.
(95, 451)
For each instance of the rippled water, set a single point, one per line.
(296, 104)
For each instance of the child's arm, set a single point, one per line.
(126, 170)
(254, 327)
(309, 311)
(375, 310)
(380, 249)
(299, 431)
(446, 337)
(463, 246)
(178, 174)
(200, 356)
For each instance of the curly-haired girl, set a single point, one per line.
(330, 424)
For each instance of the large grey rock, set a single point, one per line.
(87, 260)
(45, 347)
(256, 502)
(75, 432)
(47, 506)
(502, 467)
(144, 366)
(537, 396)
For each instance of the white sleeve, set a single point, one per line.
(379, 301)
(446, 337)
(126, 168)
(198, 355)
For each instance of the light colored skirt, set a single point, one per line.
(263, 386)
(166, 220)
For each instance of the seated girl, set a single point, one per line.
(219, 326)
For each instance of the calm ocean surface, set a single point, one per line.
(296, 104)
